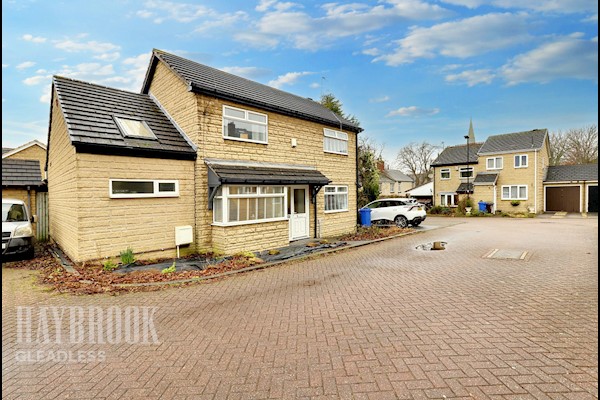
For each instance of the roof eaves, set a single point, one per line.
(200, 89)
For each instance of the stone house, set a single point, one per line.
(234, 164)
(22, 178)
(511, 173)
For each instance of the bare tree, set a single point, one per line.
(416, 158)
(582, 145)
(558, 147)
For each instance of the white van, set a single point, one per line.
(17, 231)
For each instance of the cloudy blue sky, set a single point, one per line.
(409, 70)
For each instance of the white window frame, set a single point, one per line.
(333, 136)
(497, 163)
(521, 157)
(393, 187)
(245, 120)
(156, 192)
(447, 196)
(465, 169)
(444, 170)
(510, 191)
(225, 196)
(340, 190)
(119, 119)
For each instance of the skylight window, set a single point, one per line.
(134, 128)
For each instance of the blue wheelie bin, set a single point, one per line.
(365, 216)
(482, 206)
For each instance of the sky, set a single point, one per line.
(408, 70)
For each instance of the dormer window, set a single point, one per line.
(134, 128)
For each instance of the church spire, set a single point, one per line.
(471, 132)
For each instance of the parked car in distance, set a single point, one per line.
(17, 231)
(398, 211)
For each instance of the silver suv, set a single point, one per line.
(17, 229)
(398, 211)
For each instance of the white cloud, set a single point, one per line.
(180, 12)
(472, 77)
(288, 79)
(413, 111)
(73, 46)
(15, 133)
(314, 85)
(461, 39)
(5, 65)
(284, 24)
(34, 39)
(381, 99)
(25, 65)
(108, 56)
(372, 52)
(555, 6)
(36, 79)
(225, 20)
(247, 72)
(567, 57)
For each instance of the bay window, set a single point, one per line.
(247, 204)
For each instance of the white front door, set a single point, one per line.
(298, 212)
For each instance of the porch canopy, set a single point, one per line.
(238, 172)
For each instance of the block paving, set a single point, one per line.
(384, 321)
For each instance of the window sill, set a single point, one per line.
(333, 152)
(244, 140)
(335, 211)
(262, 221)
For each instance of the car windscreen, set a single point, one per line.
(13, 213)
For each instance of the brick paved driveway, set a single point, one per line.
(381, 321)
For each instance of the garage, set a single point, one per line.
(563, 198)
(592, 199)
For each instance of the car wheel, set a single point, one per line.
(401, 221)
(30, 254)
(415, 224)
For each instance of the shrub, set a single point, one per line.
(515, 203)
(463, 204)
(170, 269)
(109, 266)
(127, 256)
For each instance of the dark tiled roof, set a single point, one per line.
(567, 173)
(89, 110)
(465, 187)
(396, 175)
(511, 142)
(456, 155)
(227, 173)
(17, 172)
(214, 82)
(485, 178)
(6, 149)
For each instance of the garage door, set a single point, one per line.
(562, 199)
(593, 200)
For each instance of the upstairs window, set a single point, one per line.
(244, 125)
(335, 142)
(521, 161)
(466, 172)
(445, 173)
(494, 163)
(134, 128)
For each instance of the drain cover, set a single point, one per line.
(432, 246)
(506, 254)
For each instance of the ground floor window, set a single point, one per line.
(133, 188)
(514, 192)
(448, 199)
(245, 204)
(336, 198)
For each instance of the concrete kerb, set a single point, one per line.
(274, 263)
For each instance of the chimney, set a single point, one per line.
(381, 165)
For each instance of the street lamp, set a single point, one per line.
(468, 172)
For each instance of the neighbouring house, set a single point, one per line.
(22, 179)
(392, 181)
(571, 188)
(233, 164)
(511, 173)
(423, 193)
